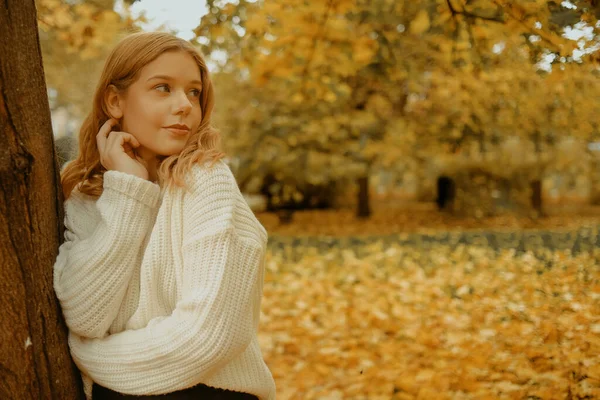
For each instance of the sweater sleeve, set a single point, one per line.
(92, 270)
(213, 322)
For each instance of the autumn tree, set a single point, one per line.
(33, 341)
(337, 88)
(75, 38)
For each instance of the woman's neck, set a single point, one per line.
(152, 166)
(151, 162)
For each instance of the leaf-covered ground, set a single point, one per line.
(454, 323)
(418, 217)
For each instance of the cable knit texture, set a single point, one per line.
(161, 290)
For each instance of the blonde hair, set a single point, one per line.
(121, 69)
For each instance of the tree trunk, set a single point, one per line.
(536, 195)
(364, 208)
(446, 191)
(34, 356)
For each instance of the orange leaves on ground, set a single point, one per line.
(417, 217)
(462, 323)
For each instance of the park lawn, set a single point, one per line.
(448, 323)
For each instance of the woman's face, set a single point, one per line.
(162, 107)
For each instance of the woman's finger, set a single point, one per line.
(128, 137)
(118, 139)
(121, 142)
(128, 144)
(103, 133)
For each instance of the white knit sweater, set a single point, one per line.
(162, 290)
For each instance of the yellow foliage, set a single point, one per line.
(364, 50)
(77, 37)
(413, 79)
(255, 24)
(420, 24)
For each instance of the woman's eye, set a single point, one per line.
(162, 88)
(195, 92)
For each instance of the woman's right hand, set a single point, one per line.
(117, 151)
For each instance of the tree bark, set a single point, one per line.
(34, 356)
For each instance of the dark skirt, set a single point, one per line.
(198, 392)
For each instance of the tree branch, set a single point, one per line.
(541, 34)
(498, 18)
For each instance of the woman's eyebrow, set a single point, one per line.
(169, 78)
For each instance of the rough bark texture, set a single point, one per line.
(34, 357)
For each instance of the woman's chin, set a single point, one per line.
(167, 151)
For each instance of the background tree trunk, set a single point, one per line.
(34, 357)
(536, 196)
(363, 204)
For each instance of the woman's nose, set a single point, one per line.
(182, 103)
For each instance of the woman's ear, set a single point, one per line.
(114, 102)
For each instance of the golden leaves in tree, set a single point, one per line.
(364, 50)
(74, 38)
(449, 78)
(255, 24)
(420, 24)
(85, 28)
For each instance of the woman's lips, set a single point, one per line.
(178, 131)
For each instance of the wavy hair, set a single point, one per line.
(122, 68)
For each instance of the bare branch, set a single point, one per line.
(497, 18)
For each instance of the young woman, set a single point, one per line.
(160, 277)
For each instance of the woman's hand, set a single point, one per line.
(116, 151)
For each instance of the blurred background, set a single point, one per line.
(428, 172)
